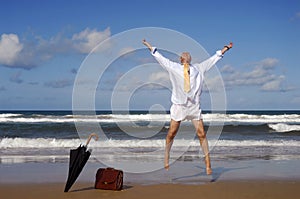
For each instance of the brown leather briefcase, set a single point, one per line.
(109, 179)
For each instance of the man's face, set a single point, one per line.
(185, 57)
(181, 59)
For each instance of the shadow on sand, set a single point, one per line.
(217, 173)
(125, 187)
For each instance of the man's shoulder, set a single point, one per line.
(196, 67)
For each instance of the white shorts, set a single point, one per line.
(188, 111)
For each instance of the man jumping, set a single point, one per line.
(187, 81)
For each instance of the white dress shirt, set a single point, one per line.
(197, 72)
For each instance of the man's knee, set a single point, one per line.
(171, 134)
(201, 133)
(174, 126)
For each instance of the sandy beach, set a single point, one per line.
(238, 179)
(231, 189)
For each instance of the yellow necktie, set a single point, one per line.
(187, 86)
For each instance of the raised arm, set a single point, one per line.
(163, 61)
(147, 44)
(207, 64)
(226, 48)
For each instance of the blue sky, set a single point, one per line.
(43, 43)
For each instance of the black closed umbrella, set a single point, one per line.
(78, 158)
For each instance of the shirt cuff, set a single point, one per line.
(154, 49)
(219, 53)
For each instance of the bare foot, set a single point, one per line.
(208, 165)
(167, 166)
(208, 171)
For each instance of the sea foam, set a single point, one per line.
(6, 143)
(282, 127)
(228, 119)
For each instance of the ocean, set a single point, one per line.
(138, 137)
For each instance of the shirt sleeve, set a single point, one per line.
(164, 62)
(207, 64)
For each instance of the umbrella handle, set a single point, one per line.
(90, 137)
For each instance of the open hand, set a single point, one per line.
(227, 47)
(147, 44)
(230, 45)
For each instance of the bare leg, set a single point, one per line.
(174, 126)
(204, 143)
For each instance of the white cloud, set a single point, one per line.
(145, 80)
(273, 85)
(213, 84)
(262, 75)
(227, 69)
(26, 54)
(161, 76)
(268, 63)
(10, 48)
(29, 53)
(159, 80)
(87, 40)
